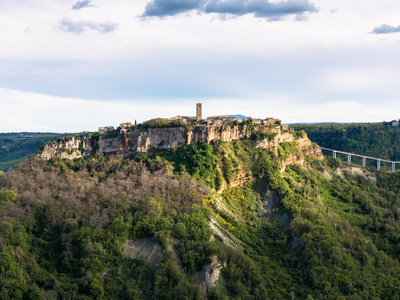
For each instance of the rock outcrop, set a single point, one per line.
(69, 148)
(307, 147)
(146, 248)
(128, 140)
(143, 139)
(210, 274)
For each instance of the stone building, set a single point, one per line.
(220, 120)
(199, 112)
(188, 119)
(125, 125)
(271, 121)
(105, 129)
(257, 121)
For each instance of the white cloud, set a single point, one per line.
(270, 10)
(37, 112)
(328, 58)
(385, 29)
(23, 111)
(82, 4)
(78, 27)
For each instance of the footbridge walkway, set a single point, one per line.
(364, 158)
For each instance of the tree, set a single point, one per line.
(6, 197)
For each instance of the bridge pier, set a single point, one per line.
(364, 159)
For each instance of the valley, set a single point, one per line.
(219, 220)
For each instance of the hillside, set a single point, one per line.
(16, 147)
(372, 139)
(226, 220)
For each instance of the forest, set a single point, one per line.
(153, 225)
(16, 147)
(380, 140)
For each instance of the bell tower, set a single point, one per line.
(198, 112)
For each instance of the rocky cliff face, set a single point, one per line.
(142, 139)
(303, 143)
(175, 137)
(306, 146)
(68, 148)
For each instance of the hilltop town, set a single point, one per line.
(170, 133)
(197, 120)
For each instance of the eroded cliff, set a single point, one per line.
(143, 139)
(69, 148)
(125, 141)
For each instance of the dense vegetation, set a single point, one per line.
(72, 229)
(16, 147)
(379, 140)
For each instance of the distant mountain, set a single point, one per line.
(238, 116)
(317, 123)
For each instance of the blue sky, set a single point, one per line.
(77, 65)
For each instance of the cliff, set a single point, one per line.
(303, 143)
(69, 148)
(150, 231)
(143, 139)
(125, 140)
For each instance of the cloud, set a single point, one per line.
(77, 27)
(82, 4)
(259, 8)
(26, 111)
(384, 29)
(161, 8)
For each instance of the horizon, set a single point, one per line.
(115, 126)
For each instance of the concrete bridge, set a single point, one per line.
(364, 158)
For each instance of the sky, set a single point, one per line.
(71, 66)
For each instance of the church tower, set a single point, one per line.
(198, 112)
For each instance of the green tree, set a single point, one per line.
(7, 197)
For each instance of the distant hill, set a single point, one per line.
(17, 146)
